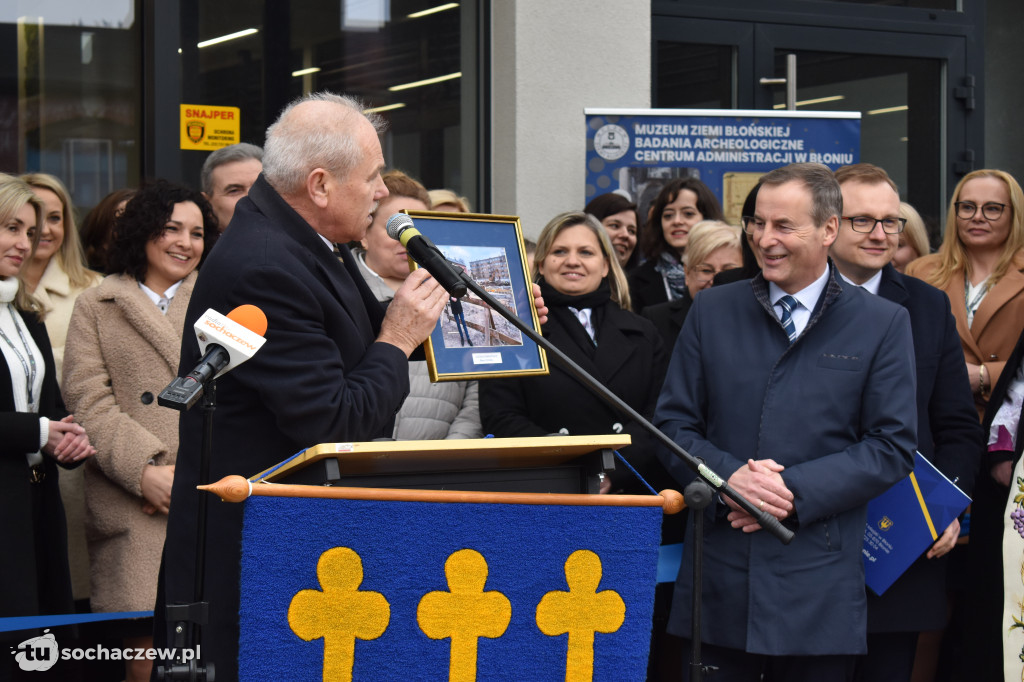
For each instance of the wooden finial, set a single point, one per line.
(673, 501)
(229, 488)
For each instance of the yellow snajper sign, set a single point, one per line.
(207, 128)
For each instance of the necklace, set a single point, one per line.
(29, 366)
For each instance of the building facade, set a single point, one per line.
(486, 97)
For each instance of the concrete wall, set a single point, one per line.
(550, 60)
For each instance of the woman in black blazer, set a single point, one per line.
(580, 277)
(38, 434)
(680, 205)
(589, 319)
(713, 249)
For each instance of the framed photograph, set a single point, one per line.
(471, 340)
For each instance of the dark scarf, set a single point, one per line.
(558, 308)
(671, 268)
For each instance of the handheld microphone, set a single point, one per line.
(225, 342)
(423, 251)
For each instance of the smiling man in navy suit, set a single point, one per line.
(799, 388)
(948, 431)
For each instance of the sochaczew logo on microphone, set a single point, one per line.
(222, 331)
(237, 339)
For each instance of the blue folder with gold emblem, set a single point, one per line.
(905, 520)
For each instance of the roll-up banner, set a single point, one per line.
(636, 151)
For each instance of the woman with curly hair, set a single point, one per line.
(681, 204)
(123, 349)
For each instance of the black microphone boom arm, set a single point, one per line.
(767, 521)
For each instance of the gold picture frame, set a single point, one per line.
(471, 340)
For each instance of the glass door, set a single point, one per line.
(903, 84)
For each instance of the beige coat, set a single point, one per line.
(121, 353)
(998, 321)
(57, 296)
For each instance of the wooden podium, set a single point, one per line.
(341, 582)
(550, 464)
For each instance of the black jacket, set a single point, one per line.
(320, 378)
(34, 577)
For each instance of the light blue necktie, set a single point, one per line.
(788, 304)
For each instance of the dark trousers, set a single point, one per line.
(890, 657)
(739, 666)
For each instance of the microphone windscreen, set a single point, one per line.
(397, 224)
(250, 317)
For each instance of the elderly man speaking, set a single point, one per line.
(798, 388)
(335, 366)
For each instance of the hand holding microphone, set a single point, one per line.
(413, 313)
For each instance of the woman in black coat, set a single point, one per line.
(680, 205)
(38, 434)
(589, 319)
(579, 275)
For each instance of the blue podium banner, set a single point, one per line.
(383, 590)
(637, 151)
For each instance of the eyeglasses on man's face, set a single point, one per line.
(863, 223)
(965, 210)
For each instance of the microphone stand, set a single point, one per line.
(695, 497)
(720, 485)
(189, 619)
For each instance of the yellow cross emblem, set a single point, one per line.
(581, 612)
(340, 613)
(464, 613)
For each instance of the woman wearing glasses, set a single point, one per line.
(980, 265)
(714, 247)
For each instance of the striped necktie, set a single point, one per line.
(788, 304)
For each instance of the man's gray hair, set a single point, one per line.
(293, 149)
(243, 151)
(826, 196)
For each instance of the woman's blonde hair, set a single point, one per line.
(439, 197)
(915, 232)
(70, 256)
(952, 253)
(708, 236)
(562, 221)
(13, 195)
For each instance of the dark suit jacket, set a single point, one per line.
(319, 378)
(948, 434)
(31, 582)
(836, 408)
